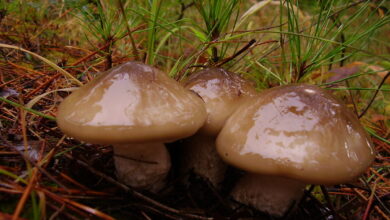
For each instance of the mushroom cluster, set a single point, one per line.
(284, 138)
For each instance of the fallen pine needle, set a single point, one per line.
(26, 193)
(53, 65)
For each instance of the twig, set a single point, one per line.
(182, 71)
(378, 200)
(370, 201)
(307, 193)
(238, 53)
(78, 205)
(50, 63)
(33, 175)
(135, 50)
(134, 192)
(152, 209)
(374, 96)
(330, 205)
(355, 110)
(343, 52)
(135, 159)
(183, 8)
(44, 84)
(316, 202)
(198, 65)
(91, 54)
(71, 180)
(104, 47)
(255, 45)
(380, 176)
(57, 212)
(26, 69)
(26, 193)
(375, 207)
(33, 163)
(381, 213)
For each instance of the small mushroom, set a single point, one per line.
(136, 108)
(222, 92)
(290, 136)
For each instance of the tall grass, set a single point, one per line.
(332, 37)
(104, 20)
(216, 15)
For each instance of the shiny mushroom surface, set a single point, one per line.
(297, 131)
(130, 105)
(222, 92)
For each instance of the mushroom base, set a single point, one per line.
(270, 194)
(201, 156)
(142, 166)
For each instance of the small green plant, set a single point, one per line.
(216, 15)
(105, 21)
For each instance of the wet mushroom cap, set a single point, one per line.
(131, 103)
(222, 92)
(297, 131)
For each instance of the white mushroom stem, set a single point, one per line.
(201, 156)
(271, 194)
(143, 166)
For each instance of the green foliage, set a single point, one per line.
(7, 7)
(154, 7)
(332, 38)
(102, 19)
(161, 26)
(216, 15)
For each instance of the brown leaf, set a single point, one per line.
(344, 72)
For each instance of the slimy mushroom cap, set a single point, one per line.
(222, 92)
(131, 103)
(297, 131)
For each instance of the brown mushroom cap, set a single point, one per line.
(131, 103)
(222, 92)
(297, 131)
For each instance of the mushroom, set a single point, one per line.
(136, 108)
(222, 92)
(290, 136)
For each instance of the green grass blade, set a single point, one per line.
(27, 109)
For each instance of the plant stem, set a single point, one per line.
(135, 50)
(373, 97)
